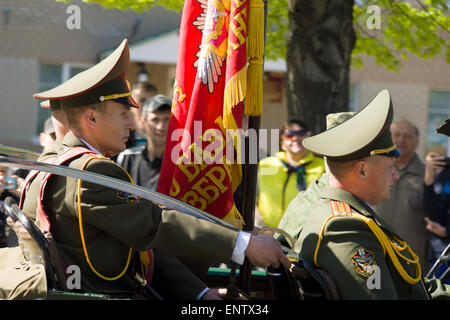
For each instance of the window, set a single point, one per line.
(438, 111)
(353, 97)
(51, 76)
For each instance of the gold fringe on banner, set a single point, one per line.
(234, 93)
(255, 53)
(234, 218)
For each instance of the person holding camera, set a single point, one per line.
(436, 200)
(8, 188)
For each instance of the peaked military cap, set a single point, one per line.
(51, 104)
(364, 134)
(103, 81)
(445, 128)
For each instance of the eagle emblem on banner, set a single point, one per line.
(213, 49)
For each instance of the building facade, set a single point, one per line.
(40, 48)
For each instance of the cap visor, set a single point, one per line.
(393, 153)
(128, 101)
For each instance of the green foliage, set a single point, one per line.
(277, 29)
(420, 27)
(414, 27)
(136, 5)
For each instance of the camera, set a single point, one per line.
(447, 163)
(10, 183)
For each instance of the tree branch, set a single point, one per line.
(413, 19)
(424, 7)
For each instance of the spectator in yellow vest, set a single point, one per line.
(283, 175)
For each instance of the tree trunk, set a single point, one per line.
(320, 43)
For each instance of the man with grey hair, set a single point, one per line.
(404, 211)
(144, 162)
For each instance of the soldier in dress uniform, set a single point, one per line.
(343, 235)
(102, 230)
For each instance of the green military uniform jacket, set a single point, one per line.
(300, 207)
(337, 239)
(114, 222)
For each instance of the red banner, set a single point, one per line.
(200, 165)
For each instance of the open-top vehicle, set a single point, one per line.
(40, 249)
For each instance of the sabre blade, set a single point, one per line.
(18, 153)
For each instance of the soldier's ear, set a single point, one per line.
(90, 116)
(361, 169)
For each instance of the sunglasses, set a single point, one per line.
(292, 133)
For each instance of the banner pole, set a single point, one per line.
(250, 184)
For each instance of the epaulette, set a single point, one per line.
(340, 208)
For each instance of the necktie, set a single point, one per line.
(301, 185)
(300, 170)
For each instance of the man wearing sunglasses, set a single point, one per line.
(289, 171)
